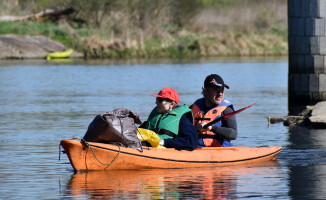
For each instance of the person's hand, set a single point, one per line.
(200, 127)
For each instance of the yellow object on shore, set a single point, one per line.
(59, 54)
(149, 136)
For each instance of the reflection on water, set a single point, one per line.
(307, 165)
(203, 183)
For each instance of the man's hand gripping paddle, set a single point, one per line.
(227, 115)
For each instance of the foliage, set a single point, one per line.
(139, 13)
(34, 28)
(153, 28)
(265, 18)
(25, 28)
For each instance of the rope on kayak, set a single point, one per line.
(141, 135)
(90, 146)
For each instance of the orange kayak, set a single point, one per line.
(100, 156)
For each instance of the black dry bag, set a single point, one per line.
(115, 126)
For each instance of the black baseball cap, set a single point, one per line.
(214, 81)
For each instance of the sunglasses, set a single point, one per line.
(160, 99)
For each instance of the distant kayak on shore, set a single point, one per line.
(60, 54)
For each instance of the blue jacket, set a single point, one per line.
(187, 138)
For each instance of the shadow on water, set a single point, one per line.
(306, 160)
(206, 183)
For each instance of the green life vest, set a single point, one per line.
(167, 125)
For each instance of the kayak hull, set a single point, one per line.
(100, 156)
(60, 54)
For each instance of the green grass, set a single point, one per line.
(29, 28)
(34, 28)
(233, 42)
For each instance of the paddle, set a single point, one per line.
(227, 115)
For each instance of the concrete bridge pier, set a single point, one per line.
(307, 53)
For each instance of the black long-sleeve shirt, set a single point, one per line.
(228, 130)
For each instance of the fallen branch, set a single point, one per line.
(48, 14)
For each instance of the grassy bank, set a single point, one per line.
(249, 28)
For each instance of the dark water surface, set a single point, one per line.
(43, 102)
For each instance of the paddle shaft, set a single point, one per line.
(226, 116)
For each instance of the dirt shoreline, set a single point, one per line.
(29, 47)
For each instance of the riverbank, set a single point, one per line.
(160, 30)
(30, 47)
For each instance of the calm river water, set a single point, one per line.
(44, 102)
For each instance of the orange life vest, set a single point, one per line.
(212, 114)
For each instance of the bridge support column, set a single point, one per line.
(307, 53)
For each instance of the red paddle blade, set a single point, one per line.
(227, 115)
(237, 111)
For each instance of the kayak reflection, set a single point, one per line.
(197, 183)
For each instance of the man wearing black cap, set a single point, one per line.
(212, 106)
